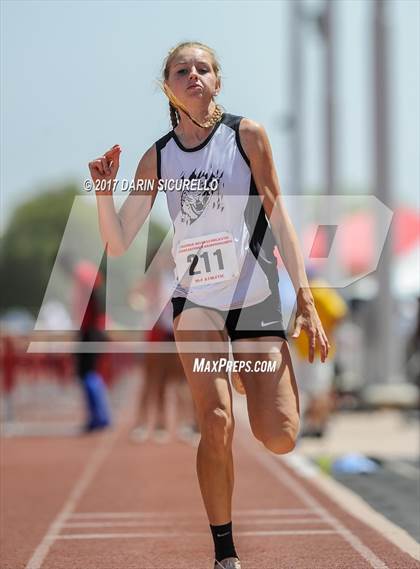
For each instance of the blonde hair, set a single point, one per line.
(175, 104)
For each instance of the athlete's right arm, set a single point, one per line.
(118, 229)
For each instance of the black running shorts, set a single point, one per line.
(262, 319)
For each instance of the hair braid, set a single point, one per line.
(215, 117)
(173, 111)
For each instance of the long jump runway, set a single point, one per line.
(103, 502)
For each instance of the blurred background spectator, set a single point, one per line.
(315, 380)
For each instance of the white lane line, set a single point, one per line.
(166, 535)
(273, 466)
(187, 515)
(97, 458)
(272, 463)
(289, 532)
(360, 509)
(170, 523)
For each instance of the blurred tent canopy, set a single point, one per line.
(357, 239)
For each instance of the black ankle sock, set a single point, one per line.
(223, 541)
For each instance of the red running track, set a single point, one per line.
(102, 502)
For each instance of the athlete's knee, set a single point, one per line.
(284, 439)
(217, 429)
(281, 443)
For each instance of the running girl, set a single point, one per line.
(227, 279)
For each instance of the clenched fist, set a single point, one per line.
(105, 168)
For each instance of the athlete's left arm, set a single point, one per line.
(257, 147)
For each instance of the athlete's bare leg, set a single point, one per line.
(272, 397)
(212, 398)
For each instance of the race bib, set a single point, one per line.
(206, 260)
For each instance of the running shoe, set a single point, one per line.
(139, 435)
(95, 426)
(228, 563)
(161, 436)
(189, 434)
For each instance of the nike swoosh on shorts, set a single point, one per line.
(264, 324)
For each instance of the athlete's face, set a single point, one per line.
(191, 76)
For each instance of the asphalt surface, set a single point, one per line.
(392, 439)
(393, 490)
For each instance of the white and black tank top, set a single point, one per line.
(225, 199)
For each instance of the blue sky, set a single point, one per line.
(78, 77)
